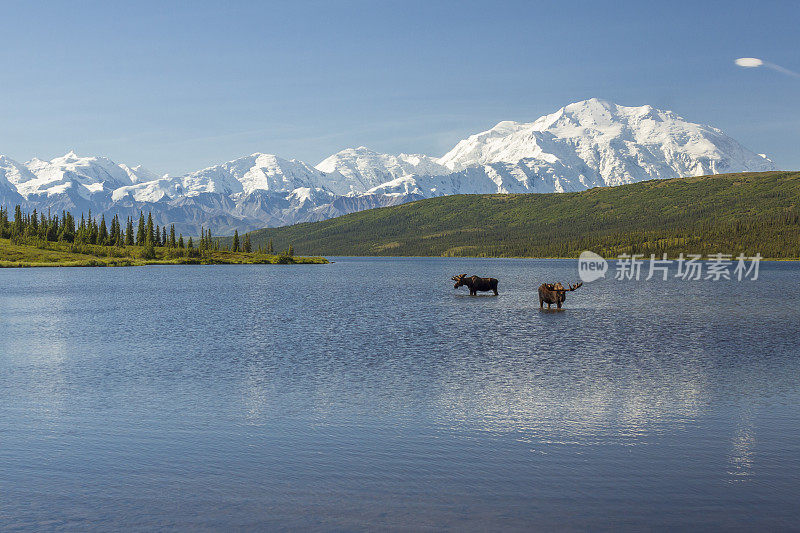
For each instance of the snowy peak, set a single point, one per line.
(139, 174)
(264, 172)
(364, 169)
(242, 176)
(272, 173)
(84, 176)
(13, 172)
(601, 143)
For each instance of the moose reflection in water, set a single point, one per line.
(475, 284)
(551, 293)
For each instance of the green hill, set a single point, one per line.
(727, 213)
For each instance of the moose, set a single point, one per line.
(475, 284)
(554, 293)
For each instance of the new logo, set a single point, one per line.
(591, 266)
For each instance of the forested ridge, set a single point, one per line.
(726, 213)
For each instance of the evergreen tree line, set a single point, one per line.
(27, 228)
(245, 245)
(90, 230)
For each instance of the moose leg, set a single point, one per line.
(541, 303)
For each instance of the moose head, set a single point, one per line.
(459, 280)
(559, 287)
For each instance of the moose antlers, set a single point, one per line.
(460, 276)
(571, 287)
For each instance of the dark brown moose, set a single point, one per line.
(550, 293)
(475, 284)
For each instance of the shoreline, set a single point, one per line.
(58, 254)
(273, 260)
(312, 260)
(796, 259)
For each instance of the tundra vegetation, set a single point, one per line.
(34, 239)
(726, 213)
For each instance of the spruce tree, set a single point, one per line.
(247, 247)
(149, 251)
(291, 251)
(3, 223)
(129, 232)
(172, 242)
(158, 236)
(270, 247)
(102, 234)
(93, 237)
(55, 229)
(42, 226)
(150, 234)
(140, 235)
(67, 231)
(116, 232)
(180, 241)
(19, 225)
(81, 234)
(235, 241)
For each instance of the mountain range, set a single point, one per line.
(586, 144)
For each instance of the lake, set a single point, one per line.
(369, 394)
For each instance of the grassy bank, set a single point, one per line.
(65, 254)
(726, 213)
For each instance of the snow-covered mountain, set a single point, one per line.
(256, 172)
(586, 144)
(86, 176)
(600, 143)
(365, 169)
(11, 173)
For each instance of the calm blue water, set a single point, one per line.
(369, 394)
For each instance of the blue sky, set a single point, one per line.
(180, 86)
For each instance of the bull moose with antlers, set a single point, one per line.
(554, 293)
(475, 284)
